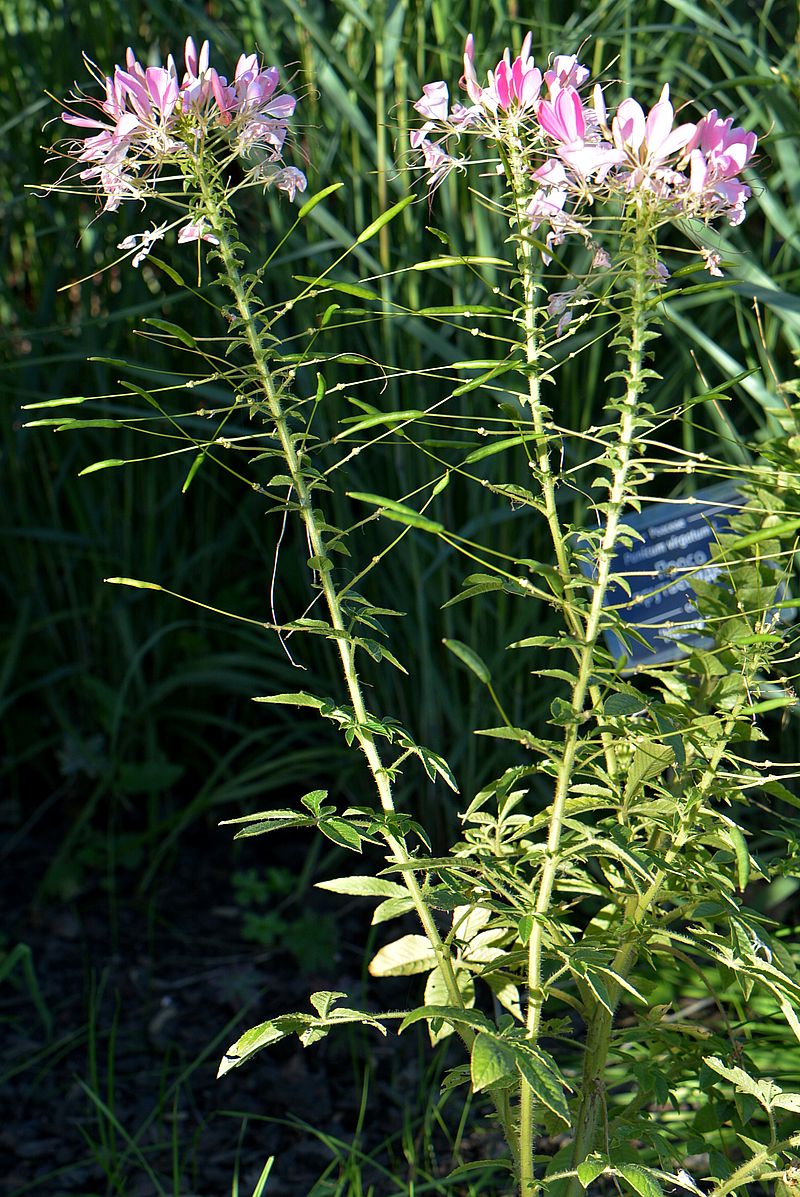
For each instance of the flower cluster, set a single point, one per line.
(573, 153)
(149, 120)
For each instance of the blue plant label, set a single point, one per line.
(672, 548)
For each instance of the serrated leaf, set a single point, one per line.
(261, 1036)
(589, 1170)
(762, 1090)
(300, 699)
(266, 826)
(364, 887)
(524, 928)
(650, 759)
(561, 712)
(491, 1061)
(470, 1018)
(616, 706)
(641, 1180)
(323, 999)
(404, 957)
(340, 832)
(392, 908)
(541, 1072)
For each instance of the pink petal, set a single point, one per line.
(629, 125)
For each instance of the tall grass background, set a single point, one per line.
(126, 719)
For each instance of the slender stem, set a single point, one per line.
(752, 1168)
(209, 187)
(212, 191)
(636, 328)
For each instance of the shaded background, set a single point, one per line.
(139, 940)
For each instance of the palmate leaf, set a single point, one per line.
(309, 1028)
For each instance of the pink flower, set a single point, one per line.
(147, 120)
(291, 180)
(565, 71)
(195, 231)
(142, 243)
(512, 87)
(438, 162)
(565, 119)
(717, 153)
(649, 145)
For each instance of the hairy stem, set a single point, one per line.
(211, 189)
(635, 329)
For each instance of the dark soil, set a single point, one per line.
(145, 992)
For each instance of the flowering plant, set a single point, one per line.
(150, 129)
(611, 847)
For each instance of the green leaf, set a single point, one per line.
(404, 957)
(437, 994)
(364, 887)
(764, 1091)
(650, 759)
(641, 1180)
(268, 825)
(470, 1018)
(300, 699)
(323, 999)
(470, 658)
(260, 1037)
(561, 712)
(541, 1072)
(341, 832)
(618, 705)
(491, 1061)
(589, 1170)
(313, 801)
(392, 908)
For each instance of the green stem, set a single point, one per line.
(636, 328)
(212, 191)
(752, 1168)
(600, 1024)
(216, 207)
